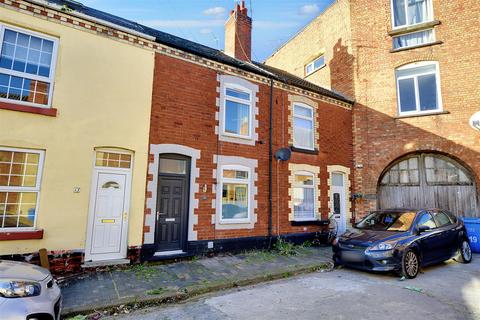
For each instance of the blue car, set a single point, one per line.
(403, 240)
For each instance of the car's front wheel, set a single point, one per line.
(410, 264)
(464, 254)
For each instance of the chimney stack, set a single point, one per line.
(238, 33)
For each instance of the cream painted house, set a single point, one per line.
(75, 100)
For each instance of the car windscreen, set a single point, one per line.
(387, 221)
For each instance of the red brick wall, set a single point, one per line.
(380, 137)
(183, 112)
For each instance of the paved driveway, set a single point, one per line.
(448, 291)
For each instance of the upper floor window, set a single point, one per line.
(27, 63)
(414, 39)
(418, 88)
(20, 173)
(410, 12)
(304, 196)
(235, 186)
(316, 64)
(238, 112)
(303, 126)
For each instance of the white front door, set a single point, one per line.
(339, 201)
(109, 203)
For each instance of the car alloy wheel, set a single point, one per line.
(465, 252)
(411, 264)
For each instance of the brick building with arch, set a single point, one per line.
(409, 68)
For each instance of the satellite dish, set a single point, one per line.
(283, 154)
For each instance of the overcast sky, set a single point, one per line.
(275, 21)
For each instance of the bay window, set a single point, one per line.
(27, 63)
(418, 88)
(20, 175)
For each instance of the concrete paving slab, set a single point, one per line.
(145, 282)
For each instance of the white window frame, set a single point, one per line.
(35, 189)
(49, 80)
(237, 87)
(429, 4)
(434, 37)
(312, 119)
(312, 63)
(417, 96)
(315, 194)
(240, 181)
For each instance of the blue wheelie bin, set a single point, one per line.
(473, 232)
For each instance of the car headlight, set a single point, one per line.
(382, 246)
(19, 289)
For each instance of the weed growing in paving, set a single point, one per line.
(155, 291)
(285, 248)
(259, 256)
(144, 271)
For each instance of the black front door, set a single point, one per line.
(172, 204)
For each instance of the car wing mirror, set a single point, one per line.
(422, 229)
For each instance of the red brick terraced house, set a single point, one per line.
(238, 152)
(217, 119)
(411, 68)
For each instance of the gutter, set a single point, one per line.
(56, 7)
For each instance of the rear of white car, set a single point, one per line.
(28, 292)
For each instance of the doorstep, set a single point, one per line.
(169, 255)
(104, 263)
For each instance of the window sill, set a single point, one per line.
(21, 235)
(416, 47)
(233, 222)
(50, 112)
(416, 115)
(301, 150)
(309, 222)
(416, 27)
